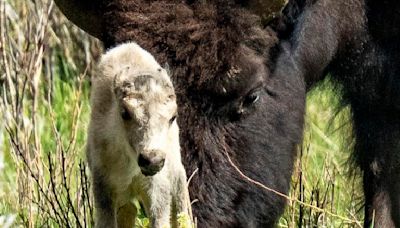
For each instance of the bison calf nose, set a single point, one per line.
(150, 164)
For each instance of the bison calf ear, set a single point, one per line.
(123, 90)
(121, 83)
(128, 106)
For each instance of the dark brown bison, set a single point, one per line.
(356, 42)
(241, 87)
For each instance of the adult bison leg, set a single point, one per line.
(378, 154)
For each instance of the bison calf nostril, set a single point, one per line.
(150, 165)
(143, 161)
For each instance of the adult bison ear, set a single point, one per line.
(265, 9)
(86, 14)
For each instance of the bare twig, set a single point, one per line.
(315, 208)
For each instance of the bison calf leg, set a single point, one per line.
(181, 201)
(105, 210)
(378, 154)
(126, 216)
(157, 202)
(160, 212)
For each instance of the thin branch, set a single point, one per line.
(259, 184)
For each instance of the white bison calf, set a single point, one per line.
(133, 141)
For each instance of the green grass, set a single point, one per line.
(42, 136)
(322, 177)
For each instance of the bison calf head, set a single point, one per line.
(148, 110)
(145, 105)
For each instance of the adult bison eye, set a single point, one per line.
(125, 114)
(172, 120)
(251, 98)
(245, 106)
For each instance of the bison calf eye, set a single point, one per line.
(172, 120)
(125, 114)
(251, 98)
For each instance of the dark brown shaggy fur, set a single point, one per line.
(200, 40)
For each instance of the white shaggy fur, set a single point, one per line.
(130, 80)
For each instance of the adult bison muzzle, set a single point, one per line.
(229, 103)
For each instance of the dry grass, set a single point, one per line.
(42, 100)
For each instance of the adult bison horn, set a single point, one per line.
(266, 9)
(86, 14)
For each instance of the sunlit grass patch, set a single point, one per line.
(321, 176)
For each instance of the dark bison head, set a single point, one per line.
(230, 104)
